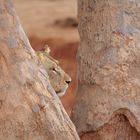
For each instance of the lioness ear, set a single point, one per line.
(40, 56)
(47, 49)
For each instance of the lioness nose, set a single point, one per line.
(68, 82)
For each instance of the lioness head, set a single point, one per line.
(58, 78)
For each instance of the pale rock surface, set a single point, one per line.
(108, 70)
(30, 110)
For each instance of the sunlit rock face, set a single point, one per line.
(29, 106)
(108, 69)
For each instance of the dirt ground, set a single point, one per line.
(40, 17)
(53, 22)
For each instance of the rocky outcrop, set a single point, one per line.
(108, 70)
(30, 110)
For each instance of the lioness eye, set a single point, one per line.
(54, 69)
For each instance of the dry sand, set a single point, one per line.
(38, 18)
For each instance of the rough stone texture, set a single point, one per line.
(108, 69)
(29, 108)
(114, 130)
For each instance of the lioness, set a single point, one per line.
(58, 78)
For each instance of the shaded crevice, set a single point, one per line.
(118, 127)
